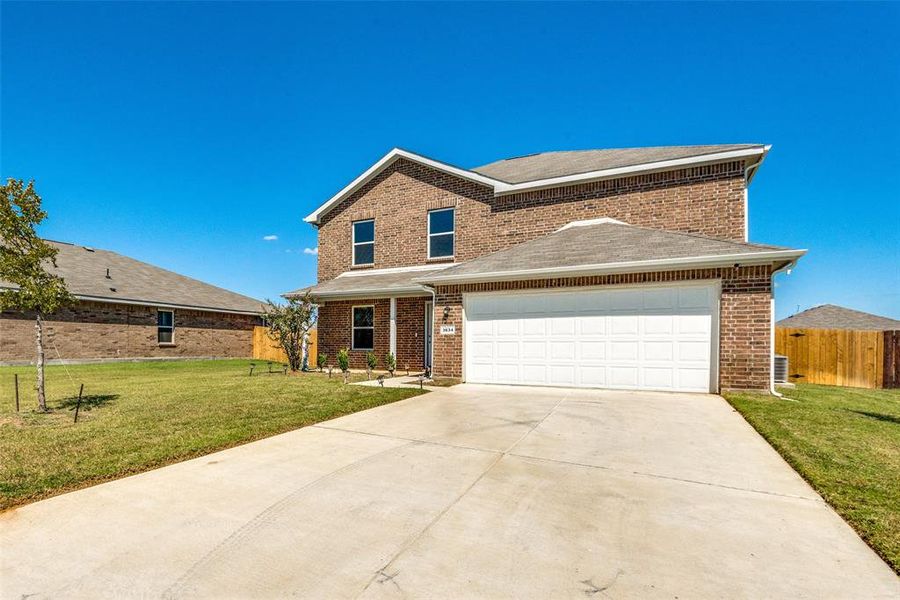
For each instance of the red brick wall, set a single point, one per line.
(744, 315)
(707, 200)
(103, 330)
(334, 331)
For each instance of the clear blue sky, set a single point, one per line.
(182, 134)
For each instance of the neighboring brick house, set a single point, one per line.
(602, 268)
(128, 309)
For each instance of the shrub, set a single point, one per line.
(371, 361)
(343, 358)
(390, 363)
(321, 360)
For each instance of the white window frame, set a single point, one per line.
(353, 326)
(170, 328)
(353, 225)
(451, 232)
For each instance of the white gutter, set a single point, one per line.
(372, 293)
(503, 187)
(743, 259)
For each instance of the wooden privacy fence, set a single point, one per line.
(266, 349)
(868, 359)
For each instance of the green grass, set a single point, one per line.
(846, 443)
(137, 416)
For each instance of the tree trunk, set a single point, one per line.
(304, 353)
(39, 331)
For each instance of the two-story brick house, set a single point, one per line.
(603, 268)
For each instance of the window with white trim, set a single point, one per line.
(363, 328)
(364, 242)
(441, 236)
(165, 326)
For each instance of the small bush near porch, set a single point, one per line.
(137, 416)
(846, 443)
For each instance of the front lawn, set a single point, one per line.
(846, 443)
(137, 416)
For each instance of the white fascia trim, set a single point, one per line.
(663, 165)
(165, 305)
(590, 222)
(387, 160)
(664, 264)
(367, 294)
(364, 272)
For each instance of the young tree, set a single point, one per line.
(289, 325)
(25, 283)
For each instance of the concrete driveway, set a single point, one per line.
(472, 491)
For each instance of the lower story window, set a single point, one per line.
(165, 326)
(363, 327)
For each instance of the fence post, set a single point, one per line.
(17, 391)
(78, 406)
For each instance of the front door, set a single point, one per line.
(429, 320)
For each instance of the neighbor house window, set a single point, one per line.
(440, 232)
(165, 326)
(363, 327)
(364, 242)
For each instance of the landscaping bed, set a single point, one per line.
(846, 443)
(139, 415)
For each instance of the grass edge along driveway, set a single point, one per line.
(138, 416)
(846, 443)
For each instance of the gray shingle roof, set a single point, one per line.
(361, 283)
(829, 316)
(607, 243)
(559, 164)
(84, 271)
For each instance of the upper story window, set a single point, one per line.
(364, 242)
(441, 232)
(165, 326)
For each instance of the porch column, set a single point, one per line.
(394, 327)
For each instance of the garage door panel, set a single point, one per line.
(534, 351)
(562, 375)
(636, 338)
(656, 351)
(562, 350)
(623, 351)
(623, 377)
(659, 377)
(534, 327)
(592, 325)
(562, 326)
(507, 350)
(593, 350)
(507, 373)
(623, 324)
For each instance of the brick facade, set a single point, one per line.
(334, 331)
(708, 200)
(103, 330)
(744, 317)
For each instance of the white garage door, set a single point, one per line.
(649, 338)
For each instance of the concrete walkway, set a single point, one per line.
(470, 491)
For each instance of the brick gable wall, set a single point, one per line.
(104, 330)
(707, 200)
(744, 314)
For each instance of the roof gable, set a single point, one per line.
(555, 169)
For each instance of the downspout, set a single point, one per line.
(431, 342)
